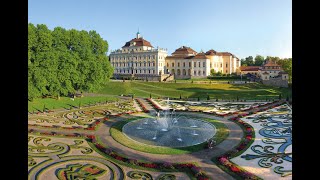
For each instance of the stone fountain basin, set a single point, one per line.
(187, 132)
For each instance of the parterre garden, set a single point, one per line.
(87, 142)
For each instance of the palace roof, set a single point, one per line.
(200, 56)
(270, 63)
(249, 68)
(184, 50)
(211, 52)
(138, 42)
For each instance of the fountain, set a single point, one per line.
(169, 129)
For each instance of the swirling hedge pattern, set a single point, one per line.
(167, 177)
(139, 175)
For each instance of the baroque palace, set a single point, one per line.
(140, 60)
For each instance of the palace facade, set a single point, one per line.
(139, 59)
(187, 63)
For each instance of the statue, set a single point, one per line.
(211, 143)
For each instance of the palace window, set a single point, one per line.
(204, 64)
(204, 72)
(136, 71)
(226, 65)
(195, 64)
(172, 64)
(195, 73)
(189, 64)
(167, 65)
(178, 72)
(149, 71)
(199, 64)
(199, 73)
(210, 65)
(221, 65)
(178, 64)
(184, 64)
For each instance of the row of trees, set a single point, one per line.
(285, 63)
(62, 62)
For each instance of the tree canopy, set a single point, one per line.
(63, 61)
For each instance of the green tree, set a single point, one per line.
(249, 61)
(258, 60)
(65, 61)
(212, 72)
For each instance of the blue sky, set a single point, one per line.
(242, 27)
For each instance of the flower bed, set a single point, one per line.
(154, 104)
(224, 160)
(142, 106)
(196, 171)
(31, 131)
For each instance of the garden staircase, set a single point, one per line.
(165, 79)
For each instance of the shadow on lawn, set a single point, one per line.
(243, 91)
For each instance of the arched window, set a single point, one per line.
(172, 64)
(204, 72)
(172, 71)
(189, 72)
(184, 72)
(199, 73)
(167, 65)
(178, 64)
(178, 72)
(189, 64)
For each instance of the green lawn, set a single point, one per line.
(64, 102)
(206, 80)
(116, 133)
(174, 90)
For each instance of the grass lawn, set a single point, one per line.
(174, 90)
(116, 133)
(64, 102)
(206, 80)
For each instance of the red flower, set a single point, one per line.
(249, 137)
(234, 168)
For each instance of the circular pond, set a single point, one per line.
(169, 133)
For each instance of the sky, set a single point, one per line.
(241, 27)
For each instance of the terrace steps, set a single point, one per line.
(147, 105)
